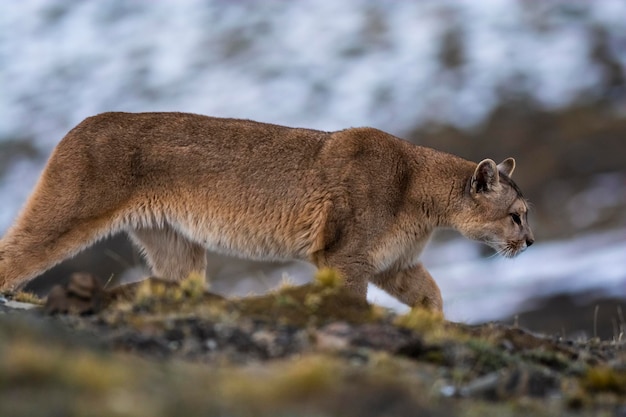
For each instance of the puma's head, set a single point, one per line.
(494, 210)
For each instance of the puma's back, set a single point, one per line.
(206, 177)
(358, 200)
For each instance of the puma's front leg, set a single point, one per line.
(354, 270)
(413, 286)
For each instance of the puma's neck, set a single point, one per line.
(440, 184)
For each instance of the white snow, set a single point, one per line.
(476, 290)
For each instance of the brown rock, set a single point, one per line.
(83, 294)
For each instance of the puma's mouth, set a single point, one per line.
(512, 249)
(508, 249)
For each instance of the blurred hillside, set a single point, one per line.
(544, 82)
(570, 161)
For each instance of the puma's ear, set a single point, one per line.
(507, 167)
(486, 176)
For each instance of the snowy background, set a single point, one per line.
(401, 66)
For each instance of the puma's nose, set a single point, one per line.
(529, 241)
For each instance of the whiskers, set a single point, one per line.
(505, 248)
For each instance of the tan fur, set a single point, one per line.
(358, 200)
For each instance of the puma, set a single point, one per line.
(357, 200)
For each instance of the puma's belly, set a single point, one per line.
(277, 230)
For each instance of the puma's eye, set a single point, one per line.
(516, 218)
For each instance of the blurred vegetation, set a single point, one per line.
(158, 348)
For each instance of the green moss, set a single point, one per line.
(306, 304)
(292, 381)
(420, 320)
(605, 379)
(435, 356)
(328, 278)
(432, 326)
(320, 302)
(487, 358)
(194, 286)
(26, 297)
(25, 363)
(160, 295)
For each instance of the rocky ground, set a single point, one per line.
(157, 348)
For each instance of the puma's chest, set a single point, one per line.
(399, 250)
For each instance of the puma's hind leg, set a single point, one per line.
(56, 223)
(31, 246)
(169, 254)
(413, 286)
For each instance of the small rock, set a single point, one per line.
(83, 294)
(512, 383)
(334, 336)
(376, 336)
(448, 391)
(211, 344)
(485, 386)
(83, 286)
